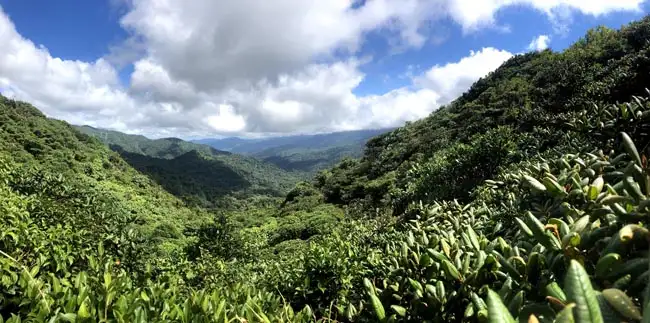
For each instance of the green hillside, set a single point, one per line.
(524, 200)
(166, 148)
(196, 172)
(60, 172)
(523, 108)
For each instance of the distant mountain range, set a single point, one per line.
(308, 153)
(196, 172)
(206, 171)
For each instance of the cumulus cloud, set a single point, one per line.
(68, 89)
(451, 79)
(203, 67)
(217, 44)
(539, 43)
(472, 14)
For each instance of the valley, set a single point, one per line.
(525, 199)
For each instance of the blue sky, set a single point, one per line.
(211, 68)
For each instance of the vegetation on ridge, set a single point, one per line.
(524, 200)
(198, 173)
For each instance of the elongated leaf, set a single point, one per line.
(595, 188)
(609, 314)
(473, 238)
(622, 303)
(545, 238)
(535, 184)
(497, 311)
(630, 148)
(401, 311)
(579, 290)
(377, 307)
(451, 270)
(607, 263)
(524, 227)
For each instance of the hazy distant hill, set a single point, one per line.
(300, 152)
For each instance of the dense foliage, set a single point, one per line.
(529, 94)
(527, 199)
(74, 173)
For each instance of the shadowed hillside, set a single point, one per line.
(198, 173)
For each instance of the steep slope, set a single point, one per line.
(518, 110)
(198, 173)
(53, 152)
(308, 153)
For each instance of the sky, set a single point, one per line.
(213, 68)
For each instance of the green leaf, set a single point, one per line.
(516, 303)
(451, 270)
(67, 317)
(630, 148)
(622, 303)
(579, 290)
(553, 186)
(534, 183)
(608, 312)
(378, 307)
(545, 238)
(497, 311)
(595, 188)
(606, 263)
(83, 312)
(524, 227)
(107, 279)
(566, 315)
(401, 311)
(473, 238)
(144, 296)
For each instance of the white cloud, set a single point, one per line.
(540, 43)
(472, 14)
(68, 89)
(205, 67)
(226, 120)
(451, 79)
(220, 44)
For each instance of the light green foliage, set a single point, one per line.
(568, 245)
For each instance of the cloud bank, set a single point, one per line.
(206, 67)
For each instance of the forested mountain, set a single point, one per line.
(526, 199)
(166, 148)
(523, 108)
(308, 153)
(196, 172)
(68, 182)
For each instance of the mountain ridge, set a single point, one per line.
(204, 177)
(310, 153)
